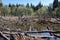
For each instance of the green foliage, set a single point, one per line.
(27, 5)
(38, 6)
(5, 11)
(57, 10)
(42, 10)
(58, 4)
(13, 11)
(9, 5)
(21, 11)
(55, 4)
(17, 5)
(0, 4)
(35, 8)
(24, 11)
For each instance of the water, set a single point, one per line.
(39, 34)
(44, 34)
(1, 38)
(11, 37)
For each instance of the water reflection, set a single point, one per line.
(44, 34)
(2, 38)
(11, 37)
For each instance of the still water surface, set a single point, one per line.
(44, 34)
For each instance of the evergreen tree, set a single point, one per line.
(13, 5)
(17, 5)
(27, 5)
(0, 3)
(58, 4)
(9, 5)
(55, 4)
(38, 6)
(33, 7)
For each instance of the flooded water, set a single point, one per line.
(2, 39)
(40, 34)
(11, 37)
(44, 34)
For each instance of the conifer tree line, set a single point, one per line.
(30, 9)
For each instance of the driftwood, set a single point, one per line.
(24, 37)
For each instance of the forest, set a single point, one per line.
(30, 9)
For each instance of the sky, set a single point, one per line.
(34, 2)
